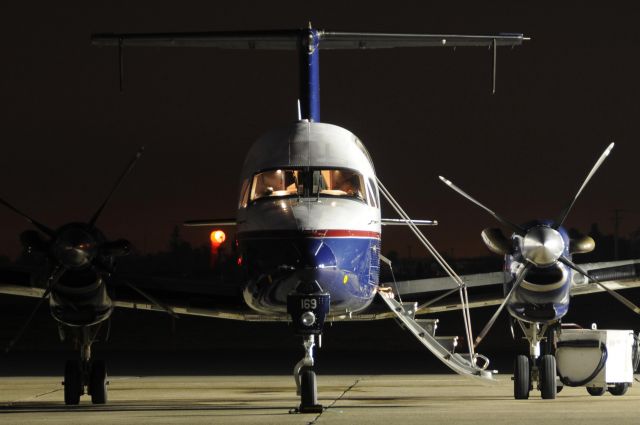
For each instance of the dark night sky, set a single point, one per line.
(67, 131)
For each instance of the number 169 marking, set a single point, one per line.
(308, 303)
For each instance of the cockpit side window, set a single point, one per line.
(276, 183)
(244, 194)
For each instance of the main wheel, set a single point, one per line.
(72, 382)
(98, 382)
(548, 377)
(521, 378)
(596, 391)
(619, 389)
(308, 388)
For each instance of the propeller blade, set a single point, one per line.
(519, 280)
(130, 166)
(26, 323)
(611, 292)
(44, 229)
(604, 156)
(153, 300)
(53, 279)
(519, 230)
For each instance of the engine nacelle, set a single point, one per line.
(80, 302)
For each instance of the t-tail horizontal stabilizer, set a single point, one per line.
(308, 42)
(461, 364)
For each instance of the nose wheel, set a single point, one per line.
(305, 378)
(309, 392)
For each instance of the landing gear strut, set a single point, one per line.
(85, 376)
(308, 307)
(536, 368)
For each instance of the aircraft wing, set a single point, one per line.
(224, 300)
(485, 289)
(615, 275)
(182, 296)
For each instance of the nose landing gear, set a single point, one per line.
(308, 307)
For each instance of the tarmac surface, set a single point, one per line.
(370, 399)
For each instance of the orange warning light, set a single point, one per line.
(217, 237)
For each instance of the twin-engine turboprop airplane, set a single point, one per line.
(308, 220)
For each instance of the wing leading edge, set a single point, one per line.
(616, 275)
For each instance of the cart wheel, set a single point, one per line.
(619, 389)
(596, 391)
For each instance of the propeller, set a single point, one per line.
(519, 279)
(44, 229)
(126, 171)
(542, 245)
(597, 165)
(519, 230)
(53, 279)
(74, 246)
(624, 300)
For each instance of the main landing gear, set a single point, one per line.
(85, 376)
(536, 368)
(308, 307)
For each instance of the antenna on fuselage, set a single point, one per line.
(299, 111)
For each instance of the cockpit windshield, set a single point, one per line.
(307, 183)
(275, 183)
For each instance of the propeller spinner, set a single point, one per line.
(75, 246)
(542, 246)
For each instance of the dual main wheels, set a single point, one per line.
(76, 378)
(546, 377)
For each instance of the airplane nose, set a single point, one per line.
(542, 246)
